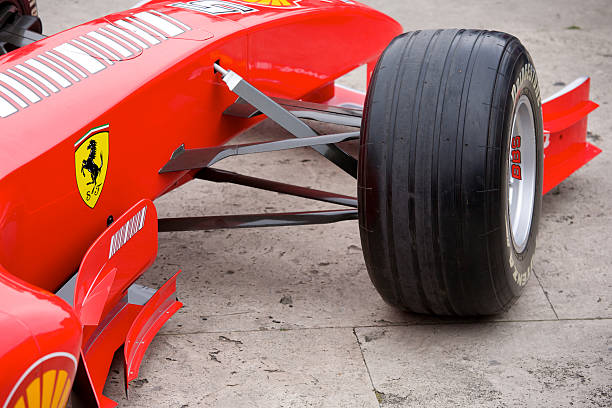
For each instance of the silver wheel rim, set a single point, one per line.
(521, 173)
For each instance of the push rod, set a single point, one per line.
(284, 118)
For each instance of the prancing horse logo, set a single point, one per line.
(91, 162)
(90, 165)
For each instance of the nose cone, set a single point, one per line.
(39, 343)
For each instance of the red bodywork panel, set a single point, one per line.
(114, 261)
(565, 128)
(39, 344)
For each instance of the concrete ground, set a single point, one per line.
(288, 317)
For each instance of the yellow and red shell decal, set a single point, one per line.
(46, 384)
(274, 3)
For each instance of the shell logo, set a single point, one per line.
(274, 3)
(55, 387)
(46, 384)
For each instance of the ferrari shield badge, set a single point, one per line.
(274, 3)
(91, 163)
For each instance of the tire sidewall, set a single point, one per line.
(519, 265)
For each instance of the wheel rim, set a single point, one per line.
(522, 169)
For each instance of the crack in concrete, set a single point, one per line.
(367, 368)
(545, 294)
(558, 320)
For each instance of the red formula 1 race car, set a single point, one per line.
(456, 149)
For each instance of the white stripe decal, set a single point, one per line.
(111, 43)
(83, 59)
(116, 37)
(49, 72)
(28, 81)
(129, 35)
(68, 64)
(146, 27)
(125, 233)
(37, 77)
(59, 67)
(182, 25)
(19, 87)
(14, 97)
(6, 109)
(137, 31)
(170, 29)
(95, 52)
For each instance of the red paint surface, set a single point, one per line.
(103, 278)
(34, 324)
(565, 128)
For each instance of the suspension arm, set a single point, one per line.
(285, 119)
(304, 110)
(223, 176)
(189, 159)
(217, 222)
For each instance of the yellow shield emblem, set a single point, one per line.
(90, 163)
(274, 3)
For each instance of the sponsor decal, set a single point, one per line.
(91, 164)
(274, 3)
(546, 140)
(515, 155)
(214, 7)
(45, 384)
(527, 73)
(125, 233)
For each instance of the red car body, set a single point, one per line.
(141, 83)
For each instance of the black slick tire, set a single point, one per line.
(434, 172)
